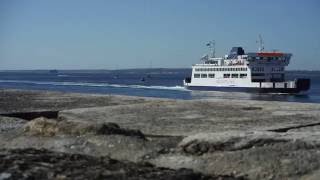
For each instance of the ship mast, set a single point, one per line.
(261, 43)
(212, 48)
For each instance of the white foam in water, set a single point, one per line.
(176, 88)
(62, 75)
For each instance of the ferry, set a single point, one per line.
(262, 72)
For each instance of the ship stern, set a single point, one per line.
(303, 84)
(186, 81)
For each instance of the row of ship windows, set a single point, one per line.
(273, 74)
(267, 58)
(277, 69)
(221, 69)
(274, 69)
(258, 69)
(224, 75)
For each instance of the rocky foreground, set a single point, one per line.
(51, 135)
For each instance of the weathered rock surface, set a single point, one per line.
(258, 155)
(237, 138)
(29, 101)
(184, 118)
(86, 138)
(10, 123)
(50, 127)
(44, 164)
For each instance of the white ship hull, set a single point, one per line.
(291, 87)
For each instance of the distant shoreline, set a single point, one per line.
(114, 70)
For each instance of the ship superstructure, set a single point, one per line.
(260, 71)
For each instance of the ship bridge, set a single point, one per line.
(268, 66)
(277, 58)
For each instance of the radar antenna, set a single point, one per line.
(261, 43)
(212, 48)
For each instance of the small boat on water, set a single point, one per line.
(53, 71)
(261, 71)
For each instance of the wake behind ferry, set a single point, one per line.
(261, 71)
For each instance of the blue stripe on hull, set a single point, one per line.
(243, 89)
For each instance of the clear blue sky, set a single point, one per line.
(110, 34)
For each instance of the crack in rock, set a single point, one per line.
(286, 129)
(228, 141)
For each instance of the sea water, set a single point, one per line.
(161, 83)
